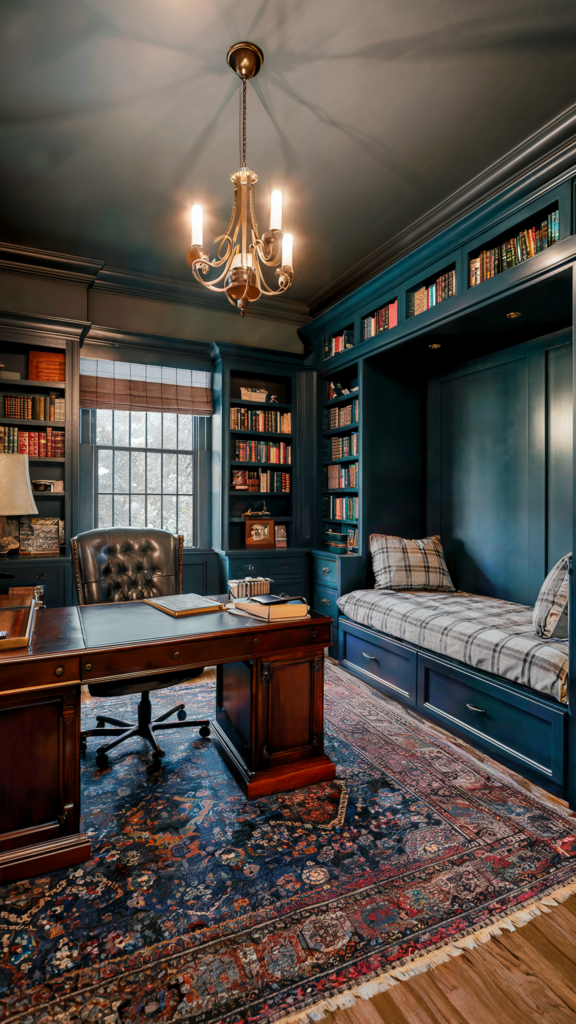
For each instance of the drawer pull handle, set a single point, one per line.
(255, 641)
(283, 566)
(313, 634)
(176, 654)
(324, 569)
(249, 566)
(371, 657)
(324, 601)
(59, 671)
(479, 711)
(40, 575)
(88, 666)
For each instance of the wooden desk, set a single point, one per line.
(269, 720)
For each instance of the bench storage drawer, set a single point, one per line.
(388, 666)
(518, 725)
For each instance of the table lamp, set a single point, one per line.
(16, 497)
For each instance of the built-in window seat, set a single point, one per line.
(484, 632)
(473, 664)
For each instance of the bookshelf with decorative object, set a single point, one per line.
(36, 419)
(259, 453)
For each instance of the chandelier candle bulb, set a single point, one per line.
(287, 243)
(276, 210)
(197, 218)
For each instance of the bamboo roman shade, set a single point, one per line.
(109, 384)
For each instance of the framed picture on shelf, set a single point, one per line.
(280, 536)
(260, 533)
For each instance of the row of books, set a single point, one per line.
(47, 443)
(340, 447)
(339, 343)
(340, 415)
(340, 509)
(444, 287)
(261, 420)
(35, 407)
(382, 320)
(333, 389)
(263, 451)
(267, 481)
(526, 244)
(338, 476)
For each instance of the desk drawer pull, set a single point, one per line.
(371, 657)
(283, 566)
(479, 711)
(59, 671)
(176, 654)
(324, 601)
(87, 666)
(250, 567)
(324, 569)
(40, 575)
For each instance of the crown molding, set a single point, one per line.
(248, 354)
(188, 293)
(22, 259)
(546, 153)
(40, 329)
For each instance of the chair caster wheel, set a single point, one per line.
(204, 731)
(100, 723)
(181, 715)
(102, 760)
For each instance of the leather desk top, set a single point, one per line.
(71, 630)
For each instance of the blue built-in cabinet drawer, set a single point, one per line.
(510, 722)
(325, 570)
(386, 665)
(324, 600)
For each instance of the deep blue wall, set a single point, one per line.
(500, 467)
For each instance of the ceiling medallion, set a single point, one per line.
(241, 252)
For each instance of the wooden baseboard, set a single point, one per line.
(274, 780)
(35, 860)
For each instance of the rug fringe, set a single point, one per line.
(436, 957)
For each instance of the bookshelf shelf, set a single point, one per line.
(342, 341)
(280, 466)
(336, 405)
(385, 318)
(277, 519)
(437, 288)
(351, 428)
(270, 406)
(342, 522)
(340, 399)
(7, 421)
(48, 494)
(340, 490)
(7, 383)
(44, 458)
(345, 458)
(258, 433)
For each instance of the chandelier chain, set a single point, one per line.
(243, 122)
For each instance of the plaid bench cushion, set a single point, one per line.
(492, 635)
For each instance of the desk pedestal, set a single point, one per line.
(269, 724)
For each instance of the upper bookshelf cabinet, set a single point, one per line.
(537, 232)
(432, 290)
(382, 319)
(339, 342)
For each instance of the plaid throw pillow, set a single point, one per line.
(401, 564)
(550, 616)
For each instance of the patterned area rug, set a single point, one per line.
(199, 906)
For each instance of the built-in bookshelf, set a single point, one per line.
(35, 421)
(339, 342)
(433, 290)
(382, 319)
(260, 447)
(340, 461)
(515, 245)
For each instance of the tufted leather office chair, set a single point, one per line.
(130, 564)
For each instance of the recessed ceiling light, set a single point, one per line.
(512, 316)
(435, 344)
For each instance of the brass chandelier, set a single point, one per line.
(242, 253)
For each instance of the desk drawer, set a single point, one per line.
(325, 570)
(514, 724)
(241, 567)
(31, 674)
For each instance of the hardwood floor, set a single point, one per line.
(521, 977)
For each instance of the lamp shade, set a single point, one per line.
(16, 497)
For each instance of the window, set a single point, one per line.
(145, 469)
